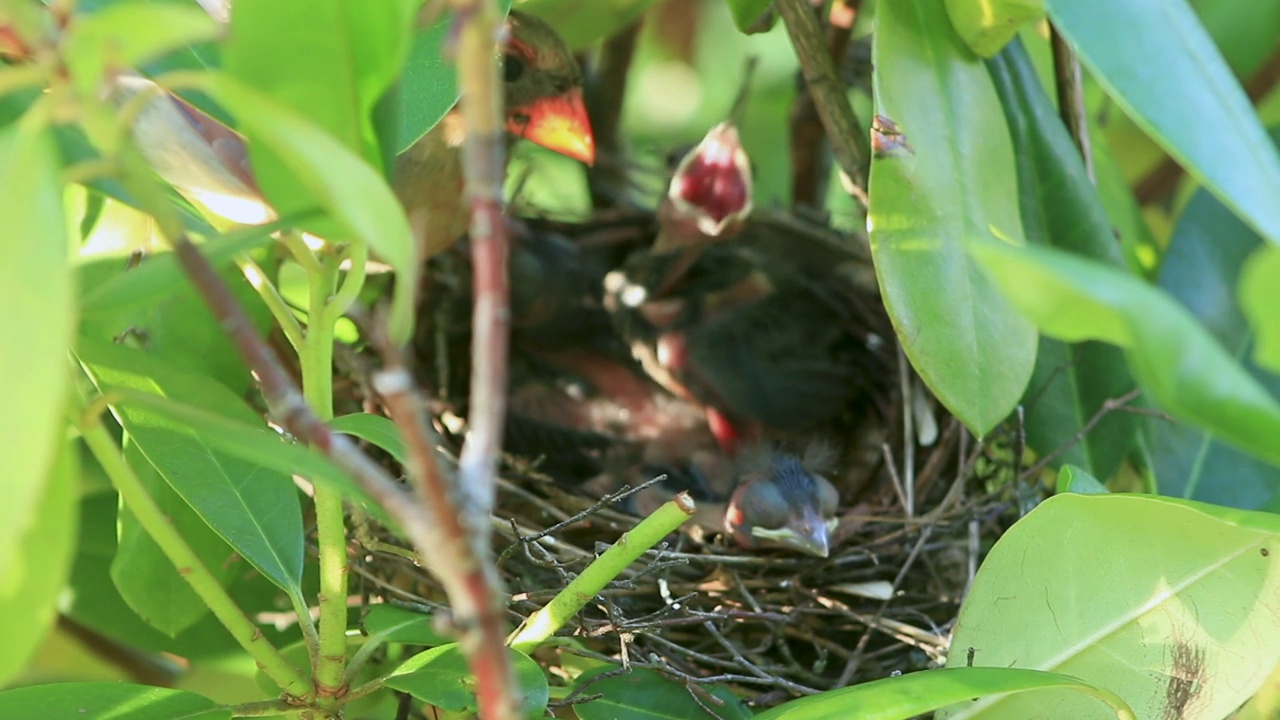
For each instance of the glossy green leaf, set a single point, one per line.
(429, 86)
(1172, 81)
(254, 508)
(1141, 251)
(928, 197)
(1179, 620)
(36, 327)
(145, 577)
(1202, 271)
(1072, 479)
(327, 60)
(441, 677)
(374, 429)
(1179, 366)
(400, 625)
(914, 694)
(258, 445)
(159, 275)
(986, 26)
(747, 13)
(1260, 299)
(108, 40)
(107, 701)
(1060, 208)
(33, 575)
(646, 695)
(349, 189)
(92, 601)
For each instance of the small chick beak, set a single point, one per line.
(808, 534)
(557, 123)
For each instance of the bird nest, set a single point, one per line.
(700, 610)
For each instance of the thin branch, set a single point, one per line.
(1070, 84)
(849, 143)
(1107, 406)
(809, 170)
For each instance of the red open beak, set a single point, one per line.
(557, 123)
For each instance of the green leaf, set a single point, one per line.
(328, 60)
(1180, 619)
(107, 701)
(1178, 365)
(1060, 208)
(747, 13)
(33, 575)
(646, 695)
(440, 676)
(160, 274)
(1259, 298)
(1245, 31)
(146, 578)
(109, 40)
(349, 189)
(254, 508)
(256, 444)
(986, 26)
(1202, 270)
(1072, 479)
(35, 328)
(1171, 80)
(429, 86)
(375, 429)
(911, 695)
(931, 195)
(400, 625)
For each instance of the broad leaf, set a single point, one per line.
(582, 24)
(395, 624)
(33, 575)
(35, 328)
(440, 676)
(255, 509)
(1060, 208)
(144, 575)
(1171, 80)
(1072, 479)
(105, 41)
(1178, 624)
(374, 429)
(107, 701)
(951, 178)
(1259, 298)
(747, 12)
(1179, 366)
(1202, 270)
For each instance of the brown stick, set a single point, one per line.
(808, 167)
(1070, 85)
(606, 89)
(849, 143)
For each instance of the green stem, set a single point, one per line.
(331, 535)
(545, 622)
(175, 547)
(271, 297)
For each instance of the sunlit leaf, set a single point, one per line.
(930, 192)
(33, 574)
(108, 40)
(1171, 79)
(107, 701)
(986, 26)
(1179, 620)
(254, 508)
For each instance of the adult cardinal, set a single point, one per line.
(542, 88)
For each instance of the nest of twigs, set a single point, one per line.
(772, 624)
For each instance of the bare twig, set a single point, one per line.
(808, 171)
(1066, 69)
(1107, 406)
(849, 143)
(606, 88)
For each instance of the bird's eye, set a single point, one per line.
(513, 67)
